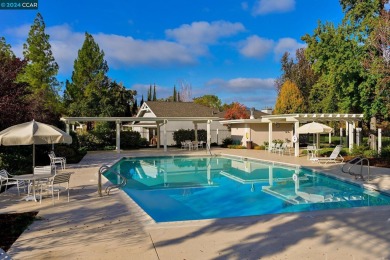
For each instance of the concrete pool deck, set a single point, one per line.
(114, 227)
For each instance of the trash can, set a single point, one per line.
(249, 144)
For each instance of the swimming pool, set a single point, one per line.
(194, 188)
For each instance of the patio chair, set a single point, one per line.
(200, 144)
(276, 148)
(57, 160)
(195, 145)
(6, 180)
(333, 158)
(272, 147)
(54, 185)
(284, 149)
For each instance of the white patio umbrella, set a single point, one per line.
(314, 128)
(32, 133)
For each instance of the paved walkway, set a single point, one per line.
(114, 227)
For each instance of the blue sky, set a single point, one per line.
(231, 49)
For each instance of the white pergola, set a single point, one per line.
(297, 119)
(159, 121)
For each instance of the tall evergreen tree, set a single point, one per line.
(41, 70)
(134, 107)
(150, 93)
(154, 93)
(90, 84)
(174, 94)
(142, 101)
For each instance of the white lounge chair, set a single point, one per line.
(335, 157)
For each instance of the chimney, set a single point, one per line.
(252, 110)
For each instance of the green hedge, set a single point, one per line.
(181, 135)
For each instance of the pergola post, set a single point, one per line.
(269, 136)
(208, 144)
(158, 135)
(165, 136)
(351, 130)
(196, 131)
(67, 127)
(118, 136)
(296, 144)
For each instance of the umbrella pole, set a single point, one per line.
(33, 157)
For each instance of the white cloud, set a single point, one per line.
(19, 32)
(287, 45)
(65, 45)
(119, 50)
(189, 42)
(238, 85)
(273, 6)
(256, 47)
(127, 51)
(204, 32)
(254, 92)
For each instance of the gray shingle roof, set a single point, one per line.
(181, 109)
(188, 109)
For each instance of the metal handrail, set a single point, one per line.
(355, 161)
(102, 170)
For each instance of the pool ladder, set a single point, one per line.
(121, 183)
(348, 166)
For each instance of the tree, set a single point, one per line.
(142, 101)
(89, 84)
(154, 93)
(185, 94)
(13, 105)
(134, 107)
(376, 91)
(174, 94)
(150, 93)
(5, 50)
(41, 70)
(338, 55)
(209, 101)
(289, 100)
(237, 111)
(299, 72)
(117, 101)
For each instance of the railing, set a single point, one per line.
(354, 162)
(121, 183)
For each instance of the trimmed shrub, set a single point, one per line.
(181, 135)
(130, 139)
(236, 146)
(226, 142)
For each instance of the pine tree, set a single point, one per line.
(41, 70)
(142, 101)
(90, 85)
(150, 93)
(174, 95)
(154, 93)
(134, 108)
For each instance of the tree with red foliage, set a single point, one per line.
(236, 111)
(13, 105)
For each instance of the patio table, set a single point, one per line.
(312, 153)
(33, 178)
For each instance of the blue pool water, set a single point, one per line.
(193, 188)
